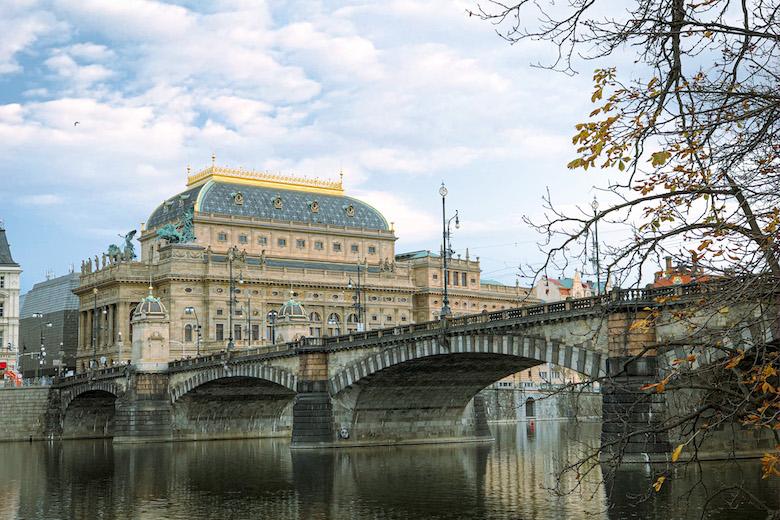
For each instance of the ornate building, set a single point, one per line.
(267, 239)
(9, 304)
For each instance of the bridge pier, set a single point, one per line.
(144, 413)
(313, 407)
(632, 418)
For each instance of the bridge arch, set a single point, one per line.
(108, 387)
(249, 370)
(232, 401)
(428, 388)
(89, 409)
(580, 358)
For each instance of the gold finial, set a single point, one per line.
(213, 159)
(189, 170)
(341, 178)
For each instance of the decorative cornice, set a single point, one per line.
(265, 179)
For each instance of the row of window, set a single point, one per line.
(2, 281)
(300, 243)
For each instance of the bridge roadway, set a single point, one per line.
(408, 384)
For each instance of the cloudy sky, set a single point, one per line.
(399, 94)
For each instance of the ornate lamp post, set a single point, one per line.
(191, 310)
(272, 320)
(445, 250)
(358, 305)
(597, 261)
(93, 363)
(233, 254)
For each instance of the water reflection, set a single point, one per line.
(509, 478)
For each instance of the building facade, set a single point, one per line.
(10, 272)
(266, 240)
(49, 323)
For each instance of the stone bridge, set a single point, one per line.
(409, 384)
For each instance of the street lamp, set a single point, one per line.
(272, 320)
(595, 206)
(445, 249)
(233, 254)
(93, 363)
(191, 310)
(42, 354)
(358, 305)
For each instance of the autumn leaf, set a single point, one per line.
(659, 483)
(676, 453)
(733, 362)
(660, 158)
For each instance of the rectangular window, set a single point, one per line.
(220, 332)
(336, 246)
(255, 332)
(435, 276)
(371, 250)
(236, 331)
(464, 280)
(455, 278)
(219, 312)
(222, 237)
(263, 241)
(354, 248)
(238, 312)
(473, 280)
(2, 282)
(318, 245)
(243, 239)
(282, 242)
(2, 310)
(300, 244)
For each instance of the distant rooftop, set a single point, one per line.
(51, 296)
(490, 281)
(414, 255)
(5, 250)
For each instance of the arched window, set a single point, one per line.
(529, 407)
(315, 331)
(315, 317)
(352, 318)
(188, 333)
(334, 324)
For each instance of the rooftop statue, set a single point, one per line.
(128, 253)
(180, 234)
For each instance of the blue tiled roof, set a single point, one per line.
(488, 281)
(258, 201)
(172, 209)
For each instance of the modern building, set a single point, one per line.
(266, 240)
(9, 304)
(49, 323)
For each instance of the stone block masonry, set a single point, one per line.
(23, 413)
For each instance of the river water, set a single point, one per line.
(509, 478)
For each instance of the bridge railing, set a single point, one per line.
(630, 296)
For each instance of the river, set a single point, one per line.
(509, 478)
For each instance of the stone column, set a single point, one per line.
(627, 410)
(313, 409)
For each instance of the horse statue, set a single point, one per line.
(128, 253)
(169, 233)
(181, 233)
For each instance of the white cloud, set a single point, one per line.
(43, 199)
(81, 75)
(21, 29)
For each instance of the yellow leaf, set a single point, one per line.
(676, 453)
(659, 483)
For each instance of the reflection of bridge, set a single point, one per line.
(414, 383)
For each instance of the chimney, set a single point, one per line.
(668, 264)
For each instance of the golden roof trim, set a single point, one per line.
(265, 179)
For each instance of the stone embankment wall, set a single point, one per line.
(512, 404)
(23, 413)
